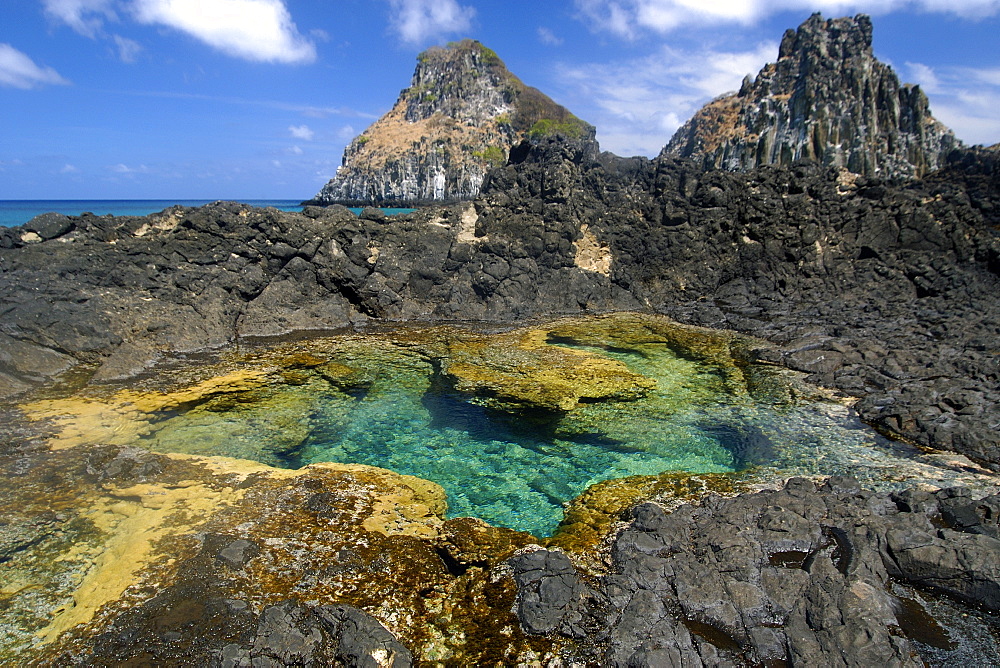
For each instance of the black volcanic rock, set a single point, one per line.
(798, 576)
(828, 99)
(459, 117)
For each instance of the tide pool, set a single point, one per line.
(474, 413)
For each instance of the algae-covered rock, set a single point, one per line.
(518, 371)
(189, 560)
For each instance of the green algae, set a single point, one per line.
(513, 425)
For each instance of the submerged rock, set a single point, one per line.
(518, 371)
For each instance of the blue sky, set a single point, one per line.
(205, 99)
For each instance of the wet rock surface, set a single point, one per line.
(797, 576)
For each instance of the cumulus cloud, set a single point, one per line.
(17, 70)
(965, 99)
(303, 132)
(417, 21)
(86, 17)
(628, 18)
(257, 30)
(662, 91)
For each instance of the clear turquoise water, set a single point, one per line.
(518, 470)
(18, 212)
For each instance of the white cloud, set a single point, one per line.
(546, 36)
(416, 21)
(69, 169)
(303, 132)
(122, 168)
(965, 99)
(663, 90)
(257, 30)
(86, 17)
(17, 70)
(628, 18)
(128, 50)
(295, 150)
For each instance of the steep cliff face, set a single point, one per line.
(827, 98)
(460, 116)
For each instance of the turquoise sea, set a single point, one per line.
(19, 211)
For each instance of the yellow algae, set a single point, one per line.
(242, 468)
(133, 519)
(521, 369)
(235, 381)
(126, 416)
(89, 421)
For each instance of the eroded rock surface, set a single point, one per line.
(827, 98)
(798, 576)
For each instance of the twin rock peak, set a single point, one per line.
(826, 98)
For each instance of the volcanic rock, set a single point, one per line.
(460, 116)
(798, 576)
(828, 99)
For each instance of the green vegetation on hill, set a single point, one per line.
(573, 128)
(493, 155)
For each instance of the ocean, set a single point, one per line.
(18, 212)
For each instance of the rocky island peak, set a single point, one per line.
(827, 98)
(459, 117)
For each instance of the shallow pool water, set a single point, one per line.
(512, 425)
(508, 469)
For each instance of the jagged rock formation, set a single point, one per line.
(826, 99)
(459, 117)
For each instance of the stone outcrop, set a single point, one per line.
(800, 576)
(881, 290)
(459, 117)
(828, 99)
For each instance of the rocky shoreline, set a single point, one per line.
(882, 291)
(119, 547)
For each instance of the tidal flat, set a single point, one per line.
(439, 447)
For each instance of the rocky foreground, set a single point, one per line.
(882, 291)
